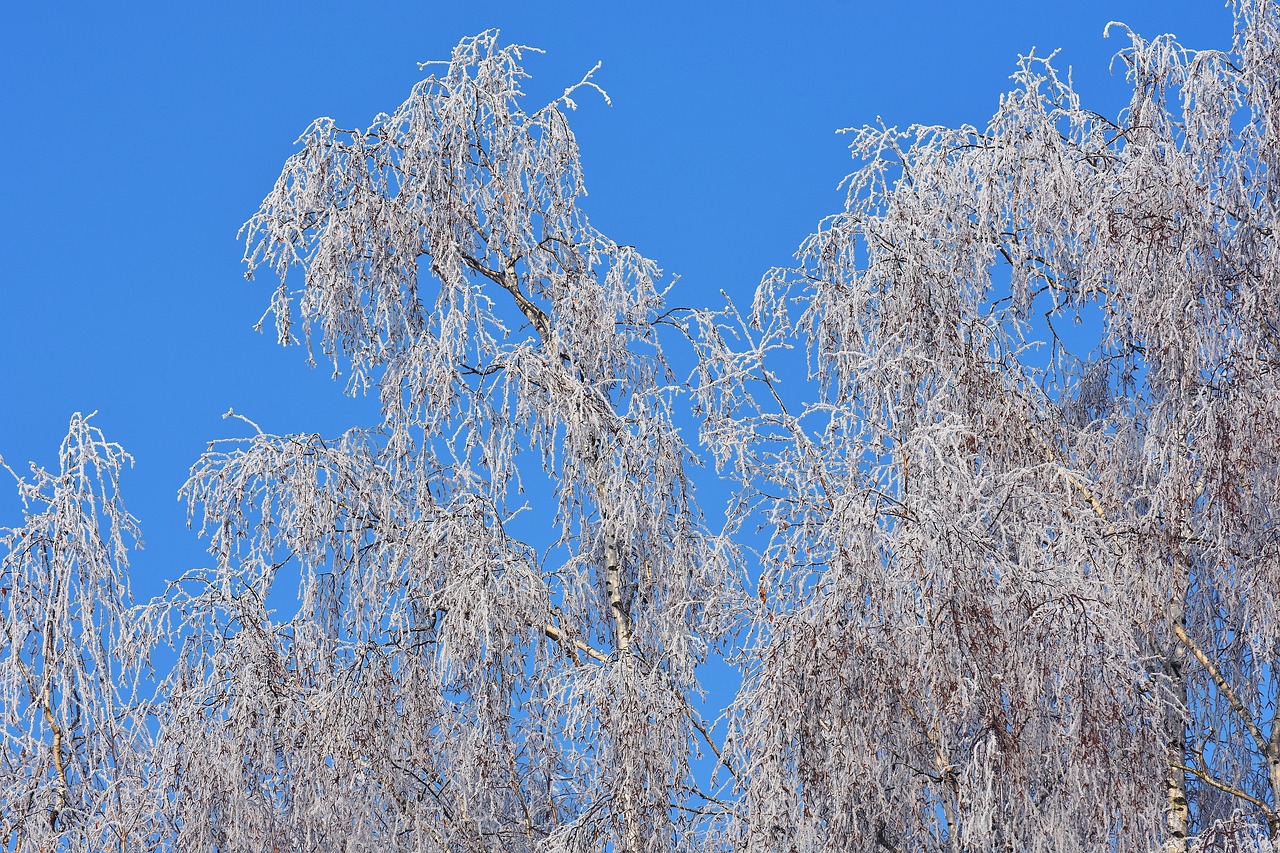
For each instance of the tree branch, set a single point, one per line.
(1224, 688)
(1075, 481)
(1222, 786)
(510, 282)
(574, 645)
(44, 700)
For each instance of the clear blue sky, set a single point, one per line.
(140, 136)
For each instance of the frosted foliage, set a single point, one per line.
(999, 572)
(503, 590)
(1010, 584)
(72, 770)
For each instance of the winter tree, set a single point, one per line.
(446, 681)
(1001, 570)
(1020, 594)
(73, 760)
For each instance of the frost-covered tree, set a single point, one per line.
(1022, 590)
(1001, 571)
(504, 589)
(73, 748)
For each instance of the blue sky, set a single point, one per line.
(142, 134)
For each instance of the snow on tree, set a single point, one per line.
(450, 684)
(1017, 586)
(72, 759)
(1010, 586)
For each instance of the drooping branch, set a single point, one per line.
(1076, 482)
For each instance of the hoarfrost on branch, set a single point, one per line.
(989, 584)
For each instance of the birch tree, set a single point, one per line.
(1001, 571)
(72, 758)
(476, 660)
(1021, 586)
